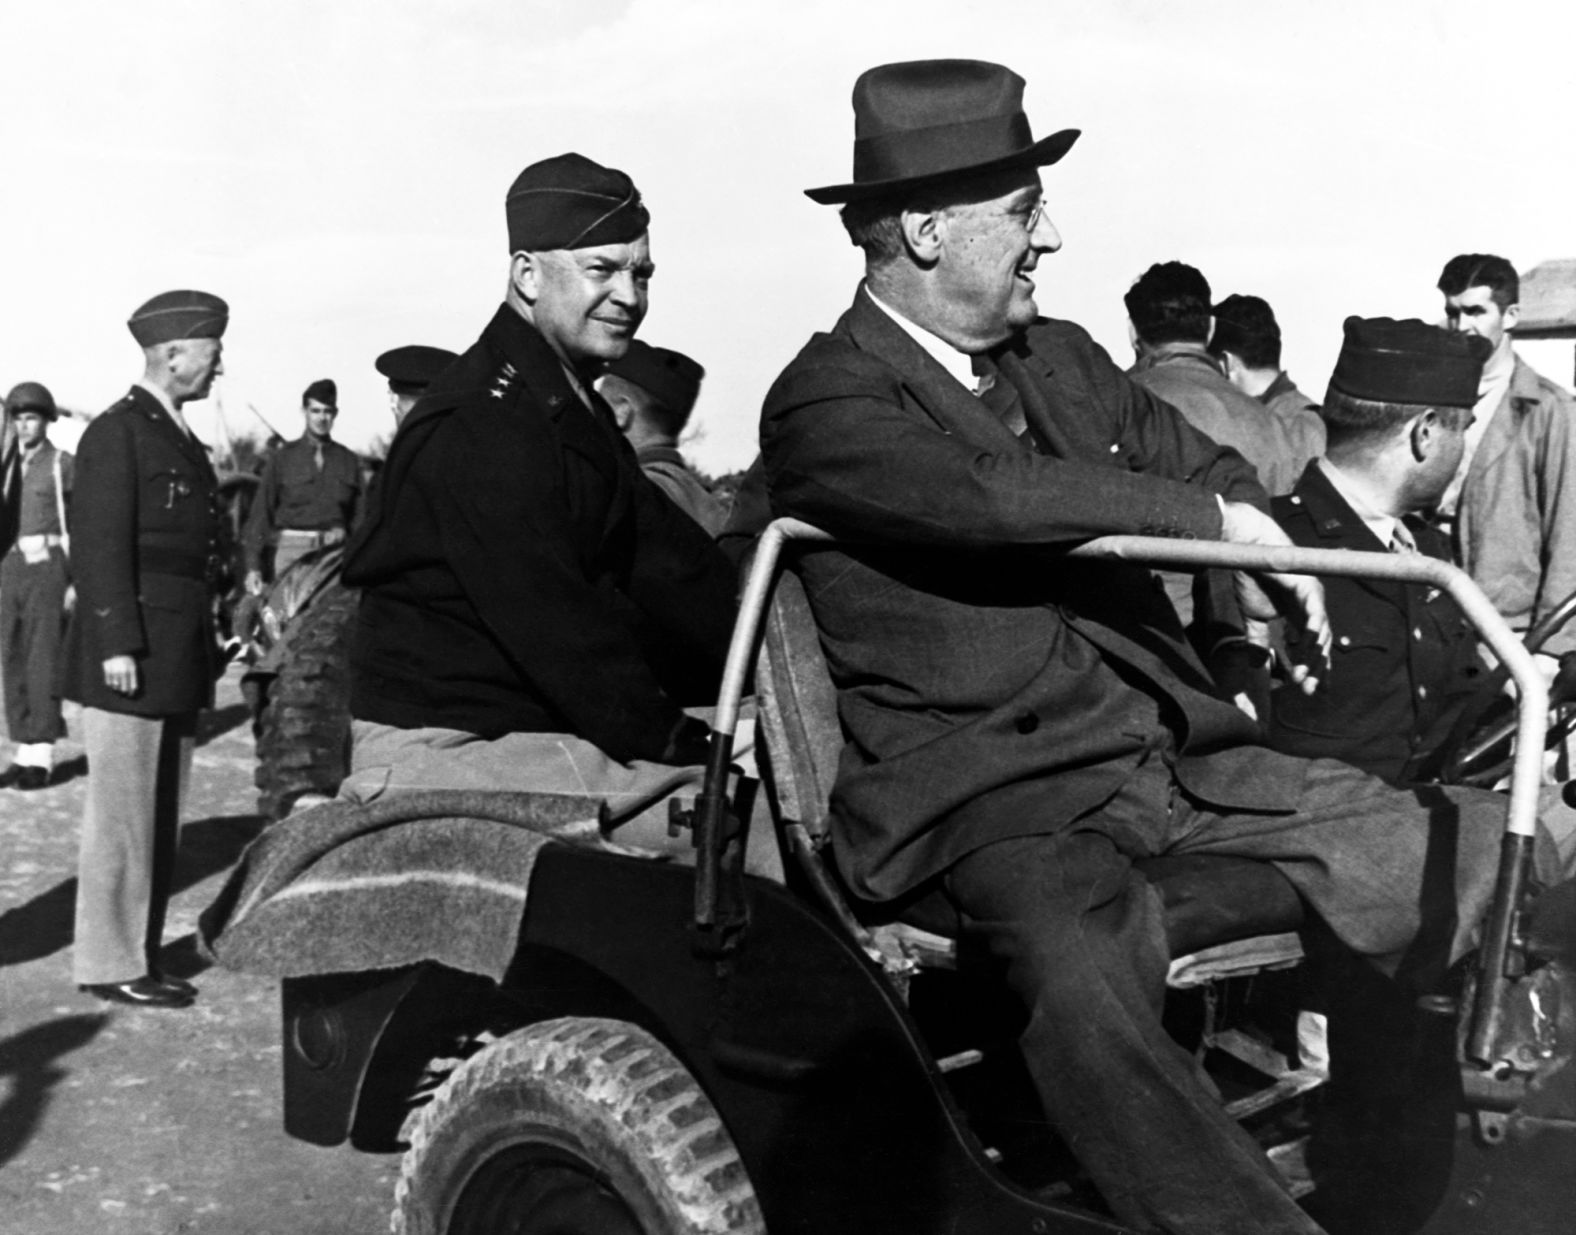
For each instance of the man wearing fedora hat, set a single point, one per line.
(33, 586)
(1023, 727)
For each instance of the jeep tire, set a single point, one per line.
(573, 1127)
(303, 712)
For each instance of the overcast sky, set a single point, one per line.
(336, 171)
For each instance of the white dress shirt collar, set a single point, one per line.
(957, 363)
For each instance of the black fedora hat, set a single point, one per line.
(924, 120)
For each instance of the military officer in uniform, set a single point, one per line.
(33, 587)
(141, 654)
(410, 370)
(1404, 662)
(534, 614)
(310, 492)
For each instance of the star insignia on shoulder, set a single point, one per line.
(503, 381)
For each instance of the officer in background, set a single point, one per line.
(34, 582)
(652, 391)
(141, 654)
(310, 491)
(410, 371)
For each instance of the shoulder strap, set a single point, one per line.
(60, 505)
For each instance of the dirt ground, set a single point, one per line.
(122, 1120)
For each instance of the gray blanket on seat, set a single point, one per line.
(439, 876)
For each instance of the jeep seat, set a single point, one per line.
(1209, 901)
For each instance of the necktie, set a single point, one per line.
(317, 454)
(1401, 539)
(998, 394)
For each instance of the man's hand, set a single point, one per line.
(120, 674)
(1262, 596)
(254, 582)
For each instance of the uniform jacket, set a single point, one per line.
(1404, 662)
(989, 686)
(521, 575)
(294, 493)
(1516, 519)
(145, 551)
(666, 468)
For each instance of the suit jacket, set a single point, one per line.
(145, 528)
(991, 687)
(520, 574)
(1404, 663)
(1516, 518)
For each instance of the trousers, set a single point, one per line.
(1400, 876)
(138, 767)
(32, 625)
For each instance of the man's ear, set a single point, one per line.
(1425, 434)
(525, 275)
(923, 233)
(618, 401)
(1511, 316)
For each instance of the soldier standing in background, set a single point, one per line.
(410, 371)
(34, 583)
(310, 491)
(652, 391)
(141, 653)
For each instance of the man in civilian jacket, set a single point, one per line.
(141, 656)
(534, 612)
(1023, 727)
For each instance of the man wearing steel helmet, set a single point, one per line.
(534, 614)
(141, 654)
(33, 586)
(1023, 727)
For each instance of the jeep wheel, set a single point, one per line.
(573, 1127)
(303, 722)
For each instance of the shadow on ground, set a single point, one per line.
(43, 925)
(216, 722)
(30, 1060)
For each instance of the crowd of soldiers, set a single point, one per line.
(539, 613)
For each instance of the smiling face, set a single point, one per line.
(319, 418)
(988, 251)
(587, 303)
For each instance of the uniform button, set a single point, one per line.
(1422, 692)
(1345, 641)
(1417, 633)
(1027, 723)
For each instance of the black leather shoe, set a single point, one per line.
(176, 984)
(10, 776)
(32, 778)
(142, 992)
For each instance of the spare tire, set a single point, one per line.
(303, 713)
(576, 1126)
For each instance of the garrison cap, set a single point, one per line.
(321, 391)
(670, 377)
(179, 315)
(570, 202)
(31, 397)
(410, 369)
(1389, 361)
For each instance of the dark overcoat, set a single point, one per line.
(145, 528)
(520, 574)
(991, 687)
(1404, 662)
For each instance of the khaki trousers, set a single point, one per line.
(138, 767)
